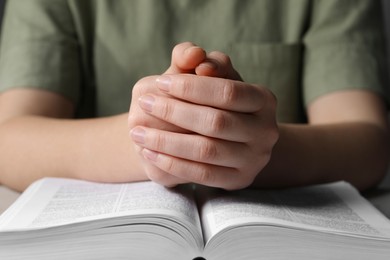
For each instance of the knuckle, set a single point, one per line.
(161, 177)
(159, 142)
(229, 93)
(169, 165)
(186, 87)
(207, 151)
(141, 87)
(204, 175)
(167, 110)
(217, 122)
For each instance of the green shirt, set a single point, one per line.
(93, 52)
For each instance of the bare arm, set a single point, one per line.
(346, 139)
(235, 141)
(238, 142)
(38, 139)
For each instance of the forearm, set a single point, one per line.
(92, 149)
(306, 154)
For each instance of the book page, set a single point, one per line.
(330, 208)
(56, 201)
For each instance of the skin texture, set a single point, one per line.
(231, 130)
(233, 134)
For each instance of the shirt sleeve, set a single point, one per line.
(39, 48)
(344, 48)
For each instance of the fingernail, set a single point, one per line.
(150, 155)
(138, 135)
(146, 102)
(164, 83)
(209, 65)
(189, 49)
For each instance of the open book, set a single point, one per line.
(72, 219)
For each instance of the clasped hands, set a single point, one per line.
(200, 123)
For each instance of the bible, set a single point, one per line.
(59, 218)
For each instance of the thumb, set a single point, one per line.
(186, 57)
(217, 64)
